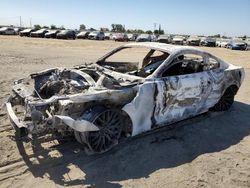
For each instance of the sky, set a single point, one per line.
(192, 17)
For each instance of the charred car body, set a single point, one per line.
(100, 103)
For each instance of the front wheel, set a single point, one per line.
(110, 123)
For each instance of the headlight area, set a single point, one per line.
(44, 119)
(32, 116)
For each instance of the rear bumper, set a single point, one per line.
(193, 43)
(210, 44)
(239, 47)
(37, 35)
(61, 37)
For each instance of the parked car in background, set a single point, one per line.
(164, 39)
(122, 37)
(51, 34)
(178, 40)
(131, 36)
(221, 42)
(17, 30)
(108, 36)
(237, 44)
(39, 33)
(153, 38)
(26, 32)
(96, 35)
(248, 43)
(66, 34)
(193, 41)
(144, 38)
(208, 41)
(7, 31)
(83, 35)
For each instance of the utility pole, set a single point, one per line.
(30, 22)
(155, 24)
(20, 21)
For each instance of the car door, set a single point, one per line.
(8, 31)
(183, 95)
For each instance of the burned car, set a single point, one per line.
(133, 89)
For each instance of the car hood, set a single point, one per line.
(39, 31)
(93, 34)
(60, 82)
(3, 29)
(82, 34)
(209, 40)
(178, 39)
(61, 34)
(26, 31)
(51, 32)
(238, 43)
(193, 39)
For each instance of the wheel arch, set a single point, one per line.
(91, 112)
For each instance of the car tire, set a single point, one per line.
(226, 100)
(110, 123)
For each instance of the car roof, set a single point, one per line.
(162, 47)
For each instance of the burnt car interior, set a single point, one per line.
(189, 64)
(145, 65)
(60, 81)
(124, 61)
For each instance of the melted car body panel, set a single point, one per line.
(60, 97)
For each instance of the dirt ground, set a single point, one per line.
(212, 150)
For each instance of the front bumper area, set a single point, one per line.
(53, 123)
(19, 126)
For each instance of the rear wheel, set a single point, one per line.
(110, 123)
(226, 100)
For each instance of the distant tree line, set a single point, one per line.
(47, 27)
(119, 28)
(116, 28)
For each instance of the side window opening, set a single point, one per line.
(185, 64)
(211, 64)
(189, 64)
